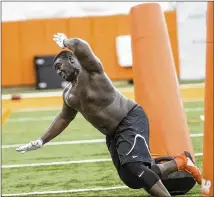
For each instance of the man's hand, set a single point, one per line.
(33, 145)
(59, 39)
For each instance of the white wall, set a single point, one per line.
(191, 18)
(29, 10)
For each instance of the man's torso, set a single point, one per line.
(98, 101)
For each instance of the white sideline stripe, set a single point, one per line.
(182, 86)
(51, 94)
(34, 95)
(31, 119)
(58, 108)
(198, 154)
(196, 135)
(61, 143)
(194, 109)
(38, 109)
(52, 117)
(202, 117)
(193, 100)
(69, 191)
(55, 163)
(79, 142)
(195, 85)
(65, 162)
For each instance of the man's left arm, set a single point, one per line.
(81, 50)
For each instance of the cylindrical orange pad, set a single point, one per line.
(155, 82)
(207, 183)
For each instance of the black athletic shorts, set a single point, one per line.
(130, 142)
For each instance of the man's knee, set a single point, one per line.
(136, 175)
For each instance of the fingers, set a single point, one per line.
(33, 145)
(22, 149)
(58, 38)
(59, 35)
(55, 39)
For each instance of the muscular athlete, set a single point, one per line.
(123, 122)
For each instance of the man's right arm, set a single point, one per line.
(82, 50)
(61, 121)
(59, 124)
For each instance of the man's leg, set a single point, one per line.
(148, 179)
(158, 189)
(182, 162)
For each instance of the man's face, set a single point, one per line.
(67, 67)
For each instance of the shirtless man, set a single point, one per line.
(123, 122)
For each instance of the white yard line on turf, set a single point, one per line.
(52, 94)
(64, 162)
(61, 143)
(38, 109)
(55, 163)
(68, 191)
(58, 108)
(52, 117)
(195, 85)
(193, 100)
(34, 95)
(71, 191)
(202, 117)
(198, 154)
(80, 142)
(31, 119)
(196, 135)
(194, 109)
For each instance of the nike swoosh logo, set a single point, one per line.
(134, 156)
(141, 174)
(140, 136)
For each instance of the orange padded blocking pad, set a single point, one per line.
(171, 21)
(155, 81)
(207, 183)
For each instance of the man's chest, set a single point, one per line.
(87, 98)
